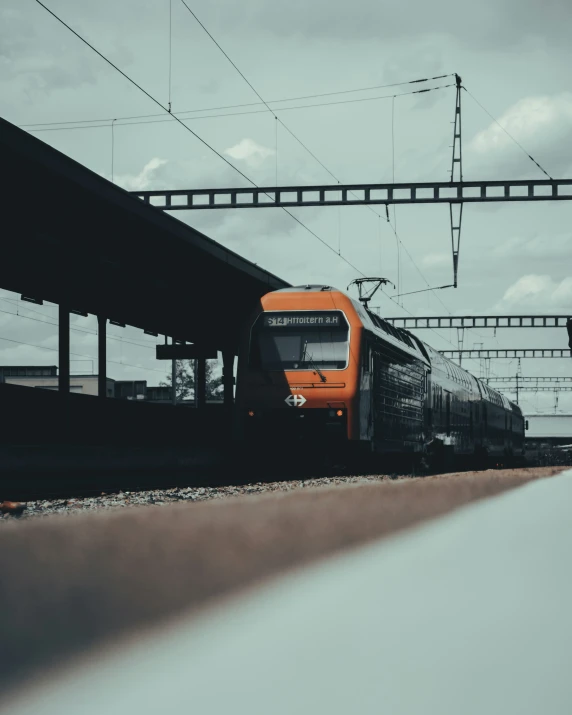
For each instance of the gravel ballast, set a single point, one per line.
(161, 497)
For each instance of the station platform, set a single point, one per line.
(468, 613)
(82, 442)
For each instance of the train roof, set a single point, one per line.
(309, 288)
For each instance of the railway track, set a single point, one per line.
(53, 484)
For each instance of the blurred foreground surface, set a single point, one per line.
(468, 613)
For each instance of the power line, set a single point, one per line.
(86, 124)
(258, 93)
(141, 89)
(507, 133)
(338, 253)
(165, 109)
(248, 104)
(432, 329)
(76, 330)
(156, 101)
(92, 357)
(296, 137)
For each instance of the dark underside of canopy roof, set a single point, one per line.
(70, 236)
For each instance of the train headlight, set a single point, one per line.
(251, 413)
(339, 413)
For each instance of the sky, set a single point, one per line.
(513, 57)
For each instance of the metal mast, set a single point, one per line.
(456, 207)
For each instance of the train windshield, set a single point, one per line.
(300, 341)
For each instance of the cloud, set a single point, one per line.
(497, 23)
(542, 125)
(249, 151)
(526, 119)
(538, 292)
(537, 246)
(27, 58)
(433, 260)
(147, 178)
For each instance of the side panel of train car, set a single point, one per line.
(316, 369)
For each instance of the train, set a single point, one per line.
(320, 373)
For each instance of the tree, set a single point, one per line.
(185, 380)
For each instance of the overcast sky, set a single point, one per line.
(513, 56)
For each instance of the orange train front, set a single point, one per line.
(318, 370)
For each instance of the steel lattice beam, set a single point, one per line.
(360, 194)
(513, 353)
(482, 321)
(520, 380)
(535, 389)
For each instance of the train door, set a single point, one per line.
(429, 404)
(448, 414)
(365, 401)
(506, 436)
(485, 426)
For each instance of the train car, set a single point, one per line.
(318, 372)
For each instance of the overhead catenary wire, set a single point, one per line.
(141, 89)
(76, 329)
(254, 104)
(423, 290)
(308, 150)
(311, 153)
(253, 88)
(197, 136)
(203, 141)
(86, 124)
(431, 329)
(91, 357)
(257, 93)
(26, 307)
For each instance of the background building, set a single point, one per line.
(46, 377)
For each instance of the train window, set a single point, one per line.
(405, 338)
(298, 344)
(393, 331)
(381, 324)
(384, 326)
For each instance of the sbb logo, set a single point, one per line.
(295, 400)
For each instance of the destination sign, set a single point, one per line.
(306, 319)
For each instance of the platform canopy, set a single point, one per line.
(70, 236)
